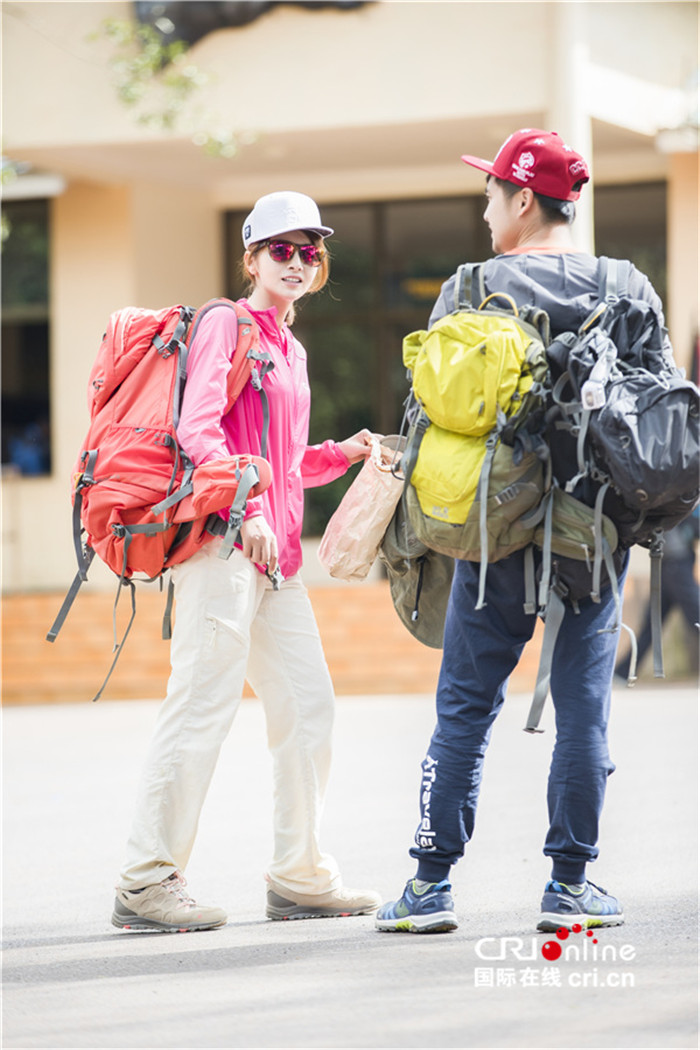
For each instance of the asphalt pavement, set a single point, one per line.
(72, 980)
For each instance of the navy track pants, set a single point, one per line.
(481, 649)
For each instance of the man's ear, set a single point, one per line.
(526, 200)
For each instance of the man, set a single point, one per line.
(531, 186)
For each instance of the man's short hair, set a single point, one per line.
(554, 211)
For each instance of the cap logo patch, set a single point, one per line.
(521, 167)
(578, 168)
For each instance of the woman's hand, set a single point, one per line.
(259, 542)
(358, 446)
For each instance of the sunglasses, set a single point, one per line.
(283, 251)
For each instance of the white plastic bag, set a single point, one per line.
(354, 533)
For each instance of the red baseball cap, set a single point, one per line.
(540, 160)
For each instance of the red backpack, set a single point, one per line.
(138, 501)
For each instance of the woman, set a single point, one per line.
(232, 624)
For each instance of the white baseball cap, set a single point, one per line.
(283, 212)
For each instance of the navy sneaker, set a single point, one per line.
(584, 904)
(426, 907)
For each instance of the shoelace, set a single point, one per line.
(176, 885)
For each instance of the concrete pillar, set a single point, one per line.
(177, 253)
(90, 277)
(567, 114)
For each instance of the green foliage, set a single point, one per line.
(142, 63)
(158, 83)
(9, 171)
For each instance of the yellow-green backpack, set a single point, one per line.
(475, 462)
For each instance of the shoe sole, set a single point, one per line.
(550, 922)
(441, 922)
(141, 925)
(299, 912)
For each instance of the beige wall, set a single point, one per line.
(62, 87)
(397, 90)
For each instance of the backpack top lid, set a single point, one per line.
(127, 340)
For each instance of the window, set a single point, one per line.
(25, 338)
(389, 259)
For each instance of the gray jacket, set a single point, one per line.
(564, 285)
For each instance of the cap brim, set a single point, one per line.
(322, 231)
(479, 162)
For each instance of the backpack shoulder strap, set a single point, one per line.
(608, 291)
(469, 277)
(613, 278)
(248, 364)
(607, 278)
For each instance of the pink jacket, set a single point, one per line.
(207, 433)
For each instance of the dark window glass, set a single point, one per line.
(630, 223)
(25, 338)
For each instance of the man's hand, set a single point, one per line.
(259, 542)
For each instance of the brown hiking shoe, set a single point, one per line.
(164, 906)
(285, 904)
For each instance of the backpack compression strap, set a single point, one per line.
(247, 480)
(551, 602)
(83, 554)
(87, 555)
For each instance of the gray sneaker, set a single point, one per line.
(285, 904)
(164, 906)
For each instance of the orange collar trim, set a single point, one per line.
(527, 249)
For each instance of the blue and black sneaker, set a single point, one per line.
(584, 904)
(426, 907)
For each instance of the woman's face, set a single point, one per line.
(280, 283)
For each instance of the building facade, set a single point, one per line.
(367, 108)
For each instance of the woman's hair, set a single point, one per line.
(320, 278)
(553, 211)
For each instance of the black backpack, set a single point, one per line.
(633, 414)
(633, 420)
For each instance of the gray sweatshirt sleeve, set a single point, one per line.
(443, 302)
(641, 287)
